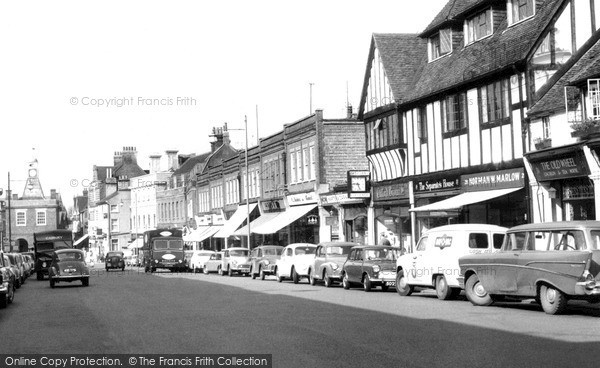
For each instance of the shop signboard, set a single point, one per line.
(302, 199)
(498, 179)
(338, 198)
(435, 185)
(390, 192)
(272, 206)
(570, 165)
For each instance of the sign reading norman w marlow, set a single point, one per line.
(501, 179)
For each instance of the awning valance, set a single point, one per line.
(283, 219)
(235, 221)
(464, 199)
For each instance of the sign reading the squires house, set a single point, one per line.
(566, 166)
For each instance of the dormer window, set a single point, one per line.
(479, 26)
(440, 44)
(594, 98)
(519, 10)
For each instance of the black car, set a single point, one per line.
(68, 265)
(7, 282)
(114, 260)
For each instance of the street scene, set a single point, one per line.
(328, 184)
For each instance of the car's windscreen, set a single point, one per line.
(381, 254)
(272, 251)
(114, 254)
(69, 256)
(238, 253)
(305, 250)
(168, 244)
(338, 250)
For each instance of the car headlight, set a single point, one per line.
(44, 264)
(376, 268)
(335, 266)
(266, 262)
(180, 261)
(156, 261)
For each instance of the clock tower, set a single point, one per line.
(33, 188)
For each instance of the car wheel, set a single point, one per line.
(152, 269)
(295, 276)
(553, 300)
(220, 271)
(279, 277)
(262, 274)
(85, 281)
(402, 287)
(252, 273)
(476, 293)
(205, 270)
(11, 293)
(123, 268)
(328, 281)
(442, 290)
(311, 278)
(4, 301)
(229, 271)
(17, 283)
(345, 282)
(52, 284)
(367, 285)
(39, 276)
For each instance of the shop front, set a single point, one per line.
(562, 189)
(392, 223)
(343, 218)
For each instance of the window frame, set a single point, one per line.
(514, 7)
(471, 30)
(37, 219)
(435, 44)
(24, 214)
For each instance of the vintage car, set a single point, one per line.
(328, 262)
(198, 259)
(295, 261)
(68, 265)
(235, 260)
(370, 266)
(551, 262)
(213, 264)
(114, 260)
(434, 263)
(7, 282)
(15, 268)
(263, 259)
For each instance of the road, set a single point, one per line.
(300, 325)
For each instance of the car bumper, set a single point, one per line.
(384, 278)
(69, 277)
(4, 288)
(590, 288)
(242, 268)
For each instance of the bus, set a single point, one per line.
(46, 242)
(163, 248)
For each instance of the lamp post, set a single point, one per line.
(247, 178)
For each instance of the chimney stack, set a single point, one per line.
(118, 158)
(218, 134)
(349, 111)
(52, 193)
(154, 163)
(172, 160)
(129, 155)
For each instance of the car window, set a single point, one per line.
(238, 253)
(422, 244)
(272, 251)
(571, 240)
(514, 241)
(289, 252)
(498, 239)
(69, 256)
(305, 250)
(595, 239)
(359, 255)
(478, 241)
(337, 250)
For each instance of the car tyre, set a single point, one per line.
(279, 277)
(442, 290)
(345, 282)
(327, 280)
(253, 274)
(367, 284)
(229, 272)
(39, 276)
(85, 281)
(475, 292)
(220, 271)
(295, 276)
(402, 287)
(553, 300)
(311, 278)
(52, 283)
(205, 270)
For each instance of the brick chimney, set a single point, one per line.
(349, 111)
(154, 163)
(118, 158)
(129, 155)
(52, 193)
(221, 136)
(172, 160)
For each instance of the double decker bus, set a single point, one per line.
(163, 248)
(46, 242)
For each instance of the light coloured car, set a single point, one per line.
(434, 263)
(235, 260)
(296, 259)
(198, 259)
(213, 264)
(328, 262)
(18, 268)
(7, 282)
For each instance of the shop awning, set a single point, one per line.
(235, 221)
(283, 219)
(464, 199)
(81, 239)
(201, 233)
(137, 243)
(264, 218)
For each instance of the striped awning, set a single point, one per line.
(388, 165)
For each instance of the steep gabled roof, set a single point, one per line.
(190, 163)
(224, 152)
(128, 168)
(585, 63)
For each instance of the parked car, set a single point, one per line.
(68, 265)
(328, 262)
(16, 269)
(263, 259)
(235, 260)
(434, 263)
(198, 259)
(29, 263)
(370, 266)
(213, 264)
(7, 282)
(295, 261)
(114, 260)
(551, 262)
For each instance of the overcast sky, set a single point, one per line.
(223, 59)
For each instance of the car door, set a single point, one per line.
(354, 268)
(285, 262)
(416, 273)
(319, 260)
(499, 275)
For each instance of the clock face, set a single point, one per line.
(32, 173)
(359, 184)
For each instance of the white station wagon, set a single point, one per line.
(434, 263)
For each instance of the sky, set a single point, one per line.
(80, 80)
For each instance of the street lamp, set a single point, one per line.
(247, 179)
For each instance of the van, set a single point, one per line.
(434, 263)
